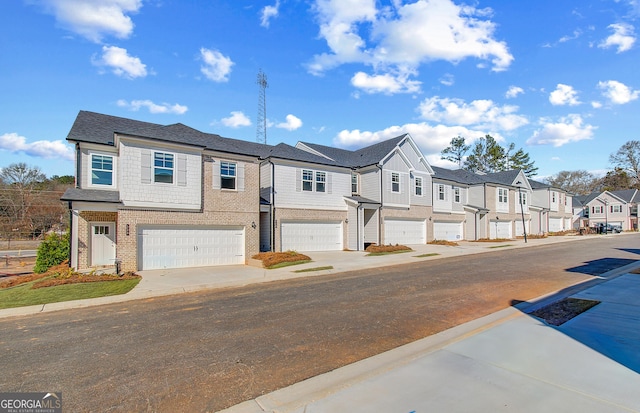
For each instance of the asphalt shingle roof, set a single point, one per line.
(369, 155)
(92, 195)
(98, 128)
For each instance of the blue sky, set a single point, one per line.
(558, 79)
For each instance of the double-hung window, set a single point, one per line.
(101, 170)
(395, 182)
(523, 198)
(354, 183)
(441, 196)
(321, 181)
(616, 208)
(503, 195)
(228, 175)
(598, 209)
(456, 195)
(163, 167)
(418, 186)
(307, 180)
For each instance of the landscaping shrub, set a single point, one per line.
(52, 251)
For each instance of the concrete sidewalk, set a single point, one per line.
(156, 283)
(507, 361)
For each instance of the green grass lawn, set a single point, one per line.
(22, 295)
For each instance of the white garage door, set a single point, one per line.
(500, 229)
(447, 231)
(519, 232)
(555, 224)
(311, 236)
(404, 231)
(180, 247)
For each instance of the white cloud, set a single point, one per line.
(513, 92)
(447, 79)
(618, 93)
(268, 13)
(15, 143)
(567, 130)
(154, 108)
(217, 67)
(121, 63)
(564, 95)
(596, 105)
(95, 19)
(387, 83)
(480, 113)
(403, 36)
(236, 120)
(291, 124)
(623, 37)
(431, 139)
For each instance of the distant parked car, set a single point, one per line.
(609, 228)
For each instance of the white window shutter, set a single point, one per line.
(298, 180)
(145, 163)
(216, 174)
(182, 170)
(329, 182)
(240, 177)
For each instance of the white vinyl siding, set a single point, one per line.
(289, 193)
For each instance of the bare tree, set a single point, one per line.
(578, 182)
(628, 159)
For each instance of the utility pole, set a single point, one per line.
(261, 131)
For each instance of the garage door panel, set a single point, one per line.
(404, 231)
(501, 230)
(190, 247)
(311, 236)
(447, 231)
(555, 224)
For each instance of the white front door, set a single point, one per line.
(103, 243)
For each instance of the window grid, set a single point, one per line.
(101, 170)
(163, 167)
(456, 195)
(395, 182)
(441, 192)
(307, 180)
(228, 175)
(418, 186)
(321, 179)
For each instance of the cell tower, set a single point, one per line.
(261, 131)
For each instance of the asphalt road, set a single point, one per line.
(207, 351)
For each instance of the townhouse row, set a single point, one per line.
(168, 196)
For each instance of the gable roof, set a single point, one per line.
(92, 127)
(369, 155)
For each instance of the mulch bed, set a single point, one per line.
(61, 274)
(564, 310)
(270, 259)
(386, 248)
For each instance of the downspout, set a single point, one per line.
(381, 204)
(70, 232)
(272, 208)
